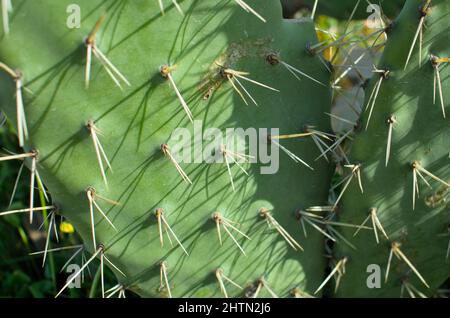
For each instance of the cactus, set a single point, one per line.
(95, 107)
(112, 115)
(401, 145)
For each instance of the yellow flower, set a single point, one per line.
(66, 227)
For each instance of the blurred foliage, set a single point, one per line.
(21, 274)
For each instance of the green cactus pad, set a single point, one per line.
(135, 121)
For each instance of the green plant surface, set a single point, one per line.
(135, 121)
(420, 133)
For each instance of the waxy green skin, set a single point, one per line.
(421, 134)
(136, 121)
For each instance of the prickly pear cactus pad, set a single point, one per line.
(103, 139)
(358, 9)
(404, 163)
